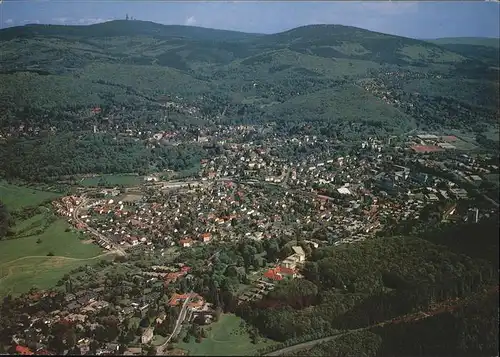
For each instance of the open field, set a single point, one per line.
(20, 276)
(15, 197)
(28, 226)
(55, 239)
(23, 260)
(158, 340)
(126, 180)
(226, 338)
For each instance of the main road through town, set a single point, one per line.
(96, 233)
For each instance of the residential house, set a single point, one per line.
(297, 258)
(186, 242)
(69, 297)
(147, 336)
(280, 273)
(206, 237)
(177, 299)
(161, 318)
(23, 350)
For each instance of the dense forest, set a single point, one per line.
(382, 280)
(469, 330)
(54, 156)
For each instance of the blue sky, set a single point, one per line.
(411, 19)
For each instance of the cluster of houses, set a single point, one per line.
(287, 269)
(80, 308)
(353, 194)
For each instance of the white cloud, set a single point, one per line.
(9, 21)
(61, 20)
(91, 21)
(190, 21)
(30, 21)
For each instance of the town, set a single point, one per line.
(166, 235)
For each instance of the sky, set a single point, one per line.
(410, 19)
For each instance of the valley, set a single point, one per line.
(181, 190)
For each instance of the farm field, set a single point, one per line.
(15, 197)
(226, 338)
(125, 180)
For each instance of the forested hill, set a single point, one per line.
(326, 41)
(329, 75)
(473, 41)
(124, 28)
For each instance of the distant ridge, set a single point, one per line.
(474, 41)
(124, 28)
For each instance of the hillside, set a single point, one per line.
(118, 28)
(54, 75)
(485, 50)
(474, 41)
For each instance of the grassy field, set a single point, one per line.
(158, 340)
(126, 180)
(226, 338)
(28, 226)
(20, 276)
(15, 197)
(55, 239)
(23, 260)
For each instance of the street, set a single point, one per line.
(178, 325)
(115, 247)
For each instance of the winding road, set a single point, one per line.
(178, 325)
(421, 315)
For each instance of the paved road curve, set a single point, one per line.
(178, 325)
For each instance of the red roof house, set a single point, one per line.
(279, 273)
(206, 237)
(273, 275)
(23, 350)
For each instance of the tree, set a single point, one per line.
(151, 351)
(144, 322)
(70, 338)
(217, 313)
(94, 345)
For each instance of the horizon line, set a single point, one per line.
(237, 31)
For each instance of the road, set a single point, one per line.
(77, 219)
(180, 184)
(492, 201)
(178, 325)
(421, 315)
(305, 345)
